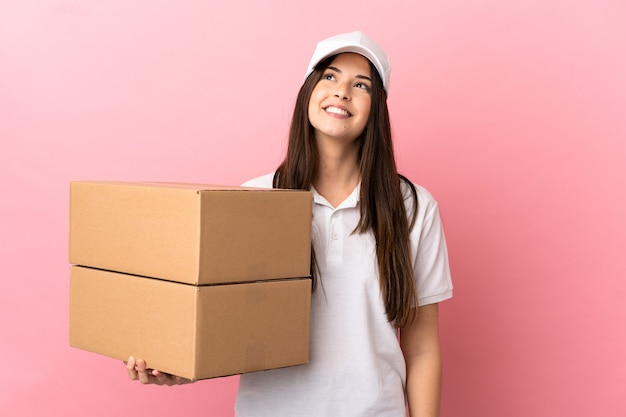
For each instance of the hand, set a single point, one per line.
(137, 370)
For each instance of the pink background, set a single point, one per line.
(513, 114)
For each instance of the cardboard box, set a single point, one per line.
(196, 234)
(192, 331)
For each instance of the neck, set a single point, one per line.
(338, 171)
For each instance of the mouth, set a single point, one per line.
(338, 111)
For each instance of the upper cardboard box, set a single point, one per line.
(196, 234)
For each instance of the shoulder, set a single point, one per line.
(425, 200)
(264, 181)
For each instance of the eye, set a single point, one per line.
(363, 86)
(328, 76)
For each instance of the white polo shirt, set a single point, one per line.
(356, 367)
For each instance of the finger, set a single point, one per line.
(162, 378)
(142, 372)
(130, 367)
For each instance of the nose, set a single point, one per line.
(342, 91)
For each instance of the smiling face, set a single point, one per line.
(341, 101)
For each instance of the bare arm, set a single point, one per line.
(420, 344)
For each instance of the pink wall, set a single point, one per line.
(513, 113)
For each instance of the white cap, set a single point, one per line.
(356, 42)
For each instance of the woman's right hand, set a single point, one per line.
(137, 370)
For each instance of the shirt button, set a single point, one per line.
(335, 237)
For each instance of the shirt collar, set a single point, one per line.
(351, 201)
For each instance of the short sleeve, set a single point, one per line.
(265, 181)
(430, 254)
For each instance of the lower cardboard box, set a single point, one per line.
(196, 332)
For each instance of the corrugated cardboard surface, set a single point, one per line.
(192, 331)
(191, 233)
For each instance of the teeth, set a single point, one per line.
(335, 110)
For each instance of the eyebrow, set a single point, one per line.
(358, 76)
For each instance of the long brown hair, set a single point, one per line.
(382, 202)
